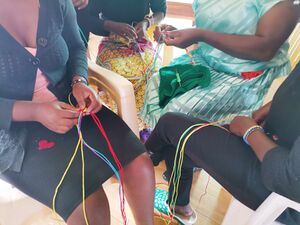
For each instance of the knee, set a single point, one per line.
(168, 118)
(142, 164)
(167, 121)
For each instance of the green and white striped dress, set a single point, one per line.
(229, 94)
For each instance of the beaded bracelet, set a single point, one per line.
(250, 131)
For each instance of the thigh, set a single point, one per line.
(42, 169)
(223, 155)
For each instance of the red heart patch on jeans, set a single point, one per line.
(45, 144)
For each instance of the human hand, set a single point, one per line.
(159, 31)
(122, 29)
(240, 124)
(141, 29)
(86, 98)
(80, 4)
(57, 116)
(260, 115)
(181, 38)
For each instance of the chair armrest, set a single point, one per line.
(273, 88)
(271, 209)
(120, 89)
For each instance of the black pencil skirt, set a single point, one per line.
(42, 169)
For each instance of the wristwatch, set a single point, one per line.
(79, 80)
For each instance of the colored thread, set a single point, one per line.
(176, 172)
(101, 156)
(119, 176)
(205, 190)
(82, 143)
(79, 143)
(191, 56)
(121, 169)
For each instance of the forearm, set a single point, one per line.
(24, 111)
(108, 25)
(280, 171)
(249, 47)
(260, 143)
(90, 22)
(272, 30)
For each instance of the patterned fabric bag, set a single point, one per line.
(132, 60)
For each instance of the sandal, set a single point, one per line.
(160, 205)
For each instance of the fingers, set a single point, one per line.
(162, 30)
(80, 4)
(138, 28)
(94, 103)
(80, 101)
(130, 32)
(68, 111)
(64, 105)
(126, 31)
(64, 126)
(157, 34)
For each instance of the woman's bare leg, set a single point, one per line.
(139, 189)
(97, 209)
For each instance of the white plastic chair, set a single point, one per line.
(265, 214)
(17, 208)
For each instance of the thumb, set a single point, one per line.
(66, 106)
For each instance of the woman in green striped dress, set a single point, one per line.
(243, 43)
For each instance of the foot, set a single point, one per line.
(184, 211)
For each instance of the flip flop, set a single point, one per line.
(186, 221)
(160, 205)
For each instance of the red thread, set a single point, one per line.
(121, 169)
(45, 144)
(205, 190)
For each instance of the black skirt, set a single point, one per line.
(42, 169)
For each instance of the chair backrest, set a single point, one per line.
(294, 51)
(93, 44)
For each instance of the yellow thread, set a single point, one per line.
(80, 142)
(83, 181)
(63, 177)
(180, 161)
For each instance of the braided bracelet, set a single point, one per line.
(250, 131)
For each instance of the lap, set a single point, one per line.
(42, 169)
(223, 155)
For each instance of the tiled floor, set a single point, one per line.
(210, 209)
